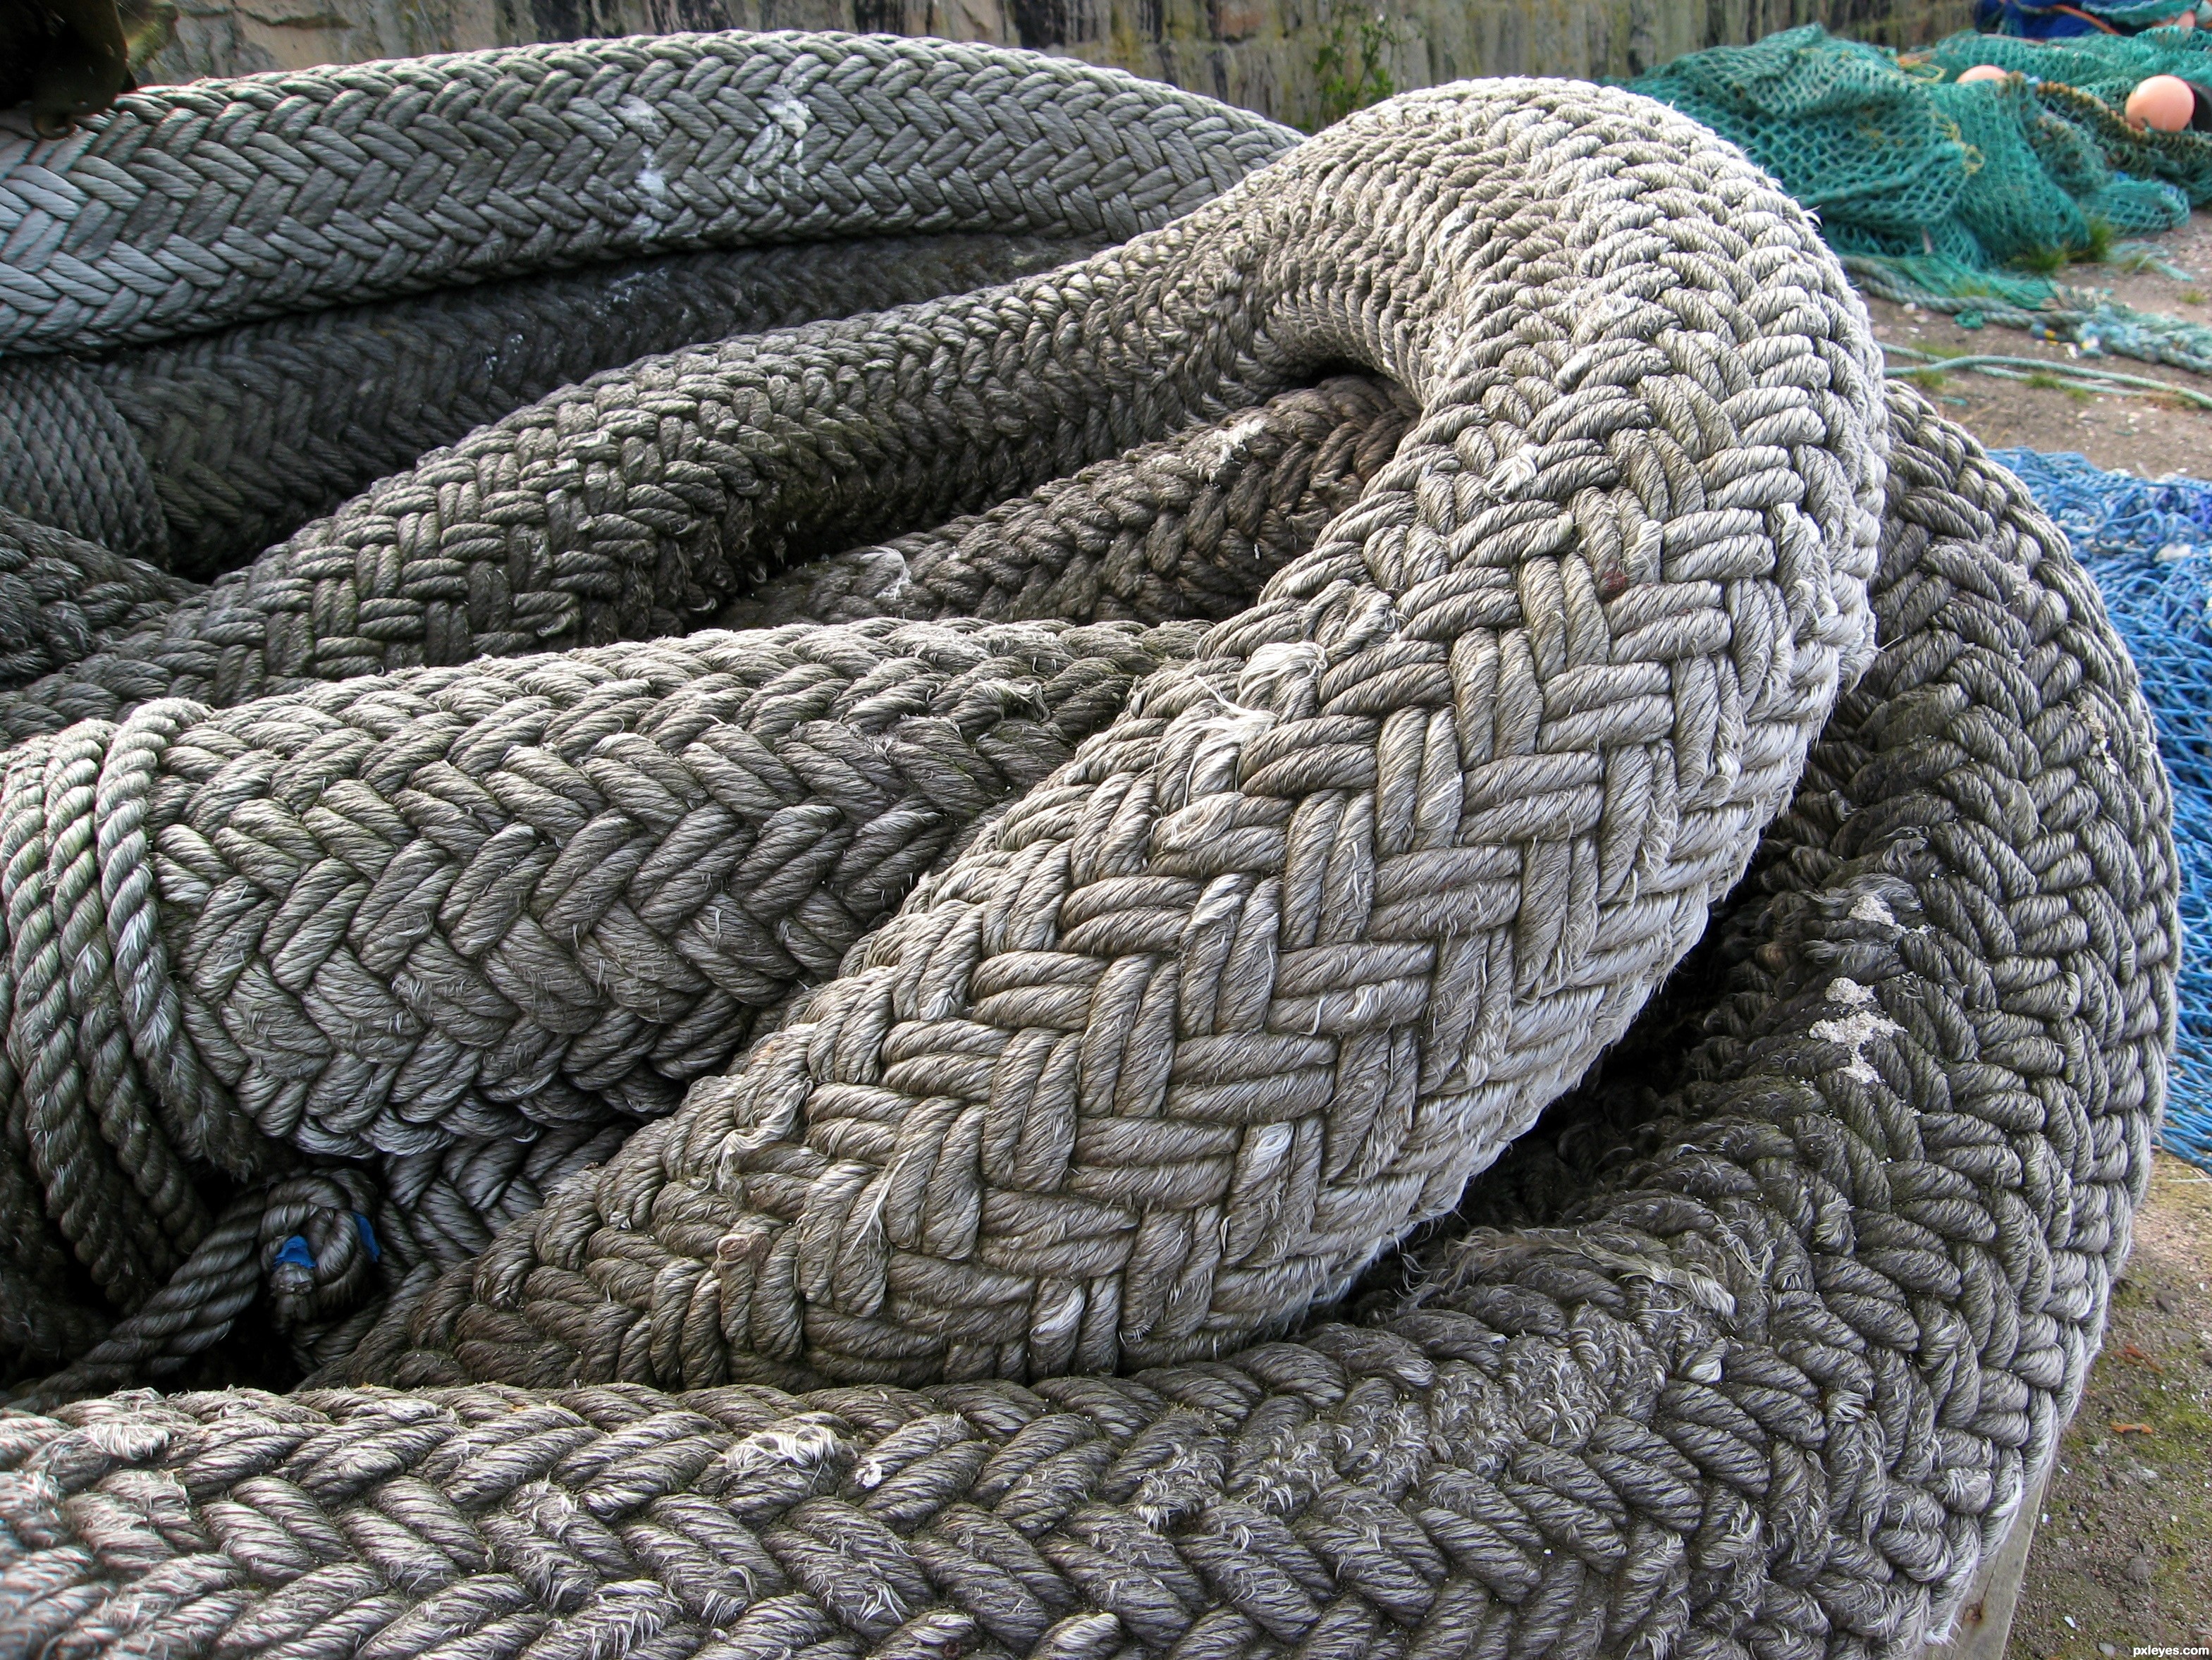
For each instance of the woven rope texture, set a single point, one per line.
(136, 1147)
(187, 208)
(1772, 1389)
(240, 436)
(1299, 943)
(420, 919)
(1277, 793)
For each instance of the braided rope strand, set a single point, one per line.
(61, 596)
(186, 208)
(239, 438)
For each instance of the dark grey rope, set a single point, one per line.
(70, 461)
(196, 454)
(1772, 1377)
(185, 208)
(60, 596)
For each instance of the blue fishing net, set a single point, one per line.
(2148, 546)
(2060, 20)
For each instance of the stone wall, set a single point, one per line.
(1301, 61)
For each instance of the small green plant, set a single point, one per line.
(2042, 380)
(1352, 68)
(1929, 379)
(2192, 297)
(2048, 262)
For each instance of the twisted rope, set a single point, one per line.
(196, 454)
(1775, 1386)
(186, 208)
(425, 921)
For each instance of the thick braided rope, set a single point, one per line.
(453, 906)
(60, 596)
(69, 460)
(1187, 529)
(1263, 976)
(1776, 1390)
(186, 208)
(1607, 268)
(230, 442)
(430, 919)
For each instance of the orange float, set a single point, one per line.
(2165, 102)
(1981, 72)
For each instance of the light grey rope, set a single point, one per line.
(185, 208)
(1203, 1020)
(1776, 1388)
(467, 905)
(1257, 982)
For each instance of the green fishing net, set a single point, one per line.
(2107, 66)
(1968, 198)
(1844, 128)
(1899, 160)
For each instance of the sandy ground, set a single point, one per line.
(2123, 1556)
(2146, 434)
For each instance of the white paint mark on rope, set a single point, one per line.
(1854, 1032)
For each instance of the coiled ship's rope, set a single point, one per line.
(995, 164)
(1263, 976)
(413, 919)
(1778, 1384)
(1576, 396)
(1339, 894)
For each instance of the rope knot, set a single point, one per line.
(318, 1250)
